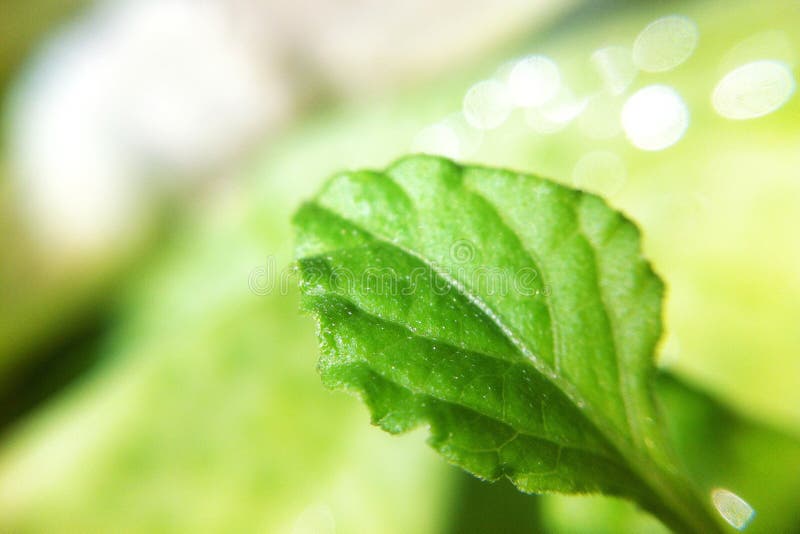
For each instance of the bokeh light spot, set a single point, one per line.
(655, 117)
(733, 509)
(753, 90)
(665, 43)
(533, 81)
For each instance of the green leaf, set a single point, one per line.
(513, 316)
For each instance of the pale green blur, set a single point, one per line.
(204, 413)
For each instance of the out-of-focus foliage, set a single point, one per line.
(756, 459)
(204, 411)
(204, 403)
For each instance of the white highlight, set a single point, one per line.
(733, 509)
(665, 43)
(655, 117)
(487, 105)
(134, 99)
(616, 68)
(533, 81)
(753, 90)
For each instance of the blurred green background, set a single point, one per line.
(155, 374)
